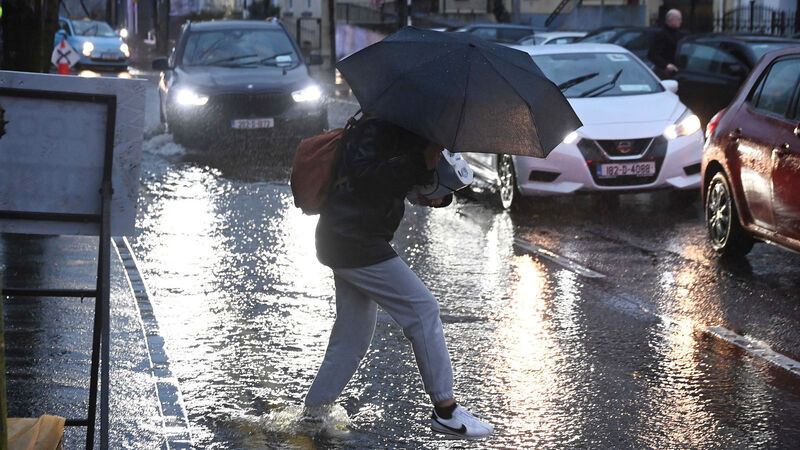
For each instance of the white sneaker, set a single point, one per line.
(461, 425)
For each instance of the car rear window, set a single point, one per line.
(775, 91)
(603, 36)
(633, 78)
(696, 56)
(635, 40)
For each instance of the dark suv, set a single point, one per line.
(235, 77)
(637, 40)
(499, 32)
(712, 67)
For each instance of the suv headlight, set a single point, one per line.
(87, 48)
(125, 50)
(309, 94)
(686, 124)
(188, 97)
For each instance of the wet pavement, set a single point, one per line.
(552, 358)
(49, 341)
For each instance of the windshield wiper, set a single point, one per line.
(275, 56)
(605, 86)
(232, 58)
(577, 80)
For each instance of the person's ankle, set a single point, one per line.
(445, 412)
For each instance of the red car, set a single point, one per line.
(751, 160)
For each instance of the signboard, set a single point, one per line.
(64, 54)
(58, 131)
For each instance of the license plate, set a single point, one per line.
(634, 169)
(252, 124)
(110, 56)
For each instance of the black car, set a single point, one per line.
(499, 32)
(712, 67)
(234, 77)
(637, 40)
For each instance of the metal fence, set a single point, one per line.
(757, 19)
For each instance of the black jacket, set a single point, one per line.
(381, 163)
(665, 43)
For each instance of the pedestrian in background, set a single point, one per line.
(380, 164)
(665, 43)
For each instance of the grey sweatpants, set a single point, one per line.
(392, 285)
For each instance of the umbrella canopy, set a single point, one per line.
(460, 91)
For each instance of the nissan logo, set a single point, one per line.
(624, 147)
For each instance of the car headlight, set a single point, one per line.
(686, 124)
(125, 50)
(87, 48)
(571, 138)
(123, 33)
(187, 97)
(309, 94)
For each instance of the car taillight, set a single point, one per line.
(712, 124)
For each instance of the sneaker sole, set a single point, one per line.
(453, 435)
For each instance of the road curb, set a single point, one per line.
(175, 425)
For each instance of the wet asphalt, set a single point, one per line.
(552, 358)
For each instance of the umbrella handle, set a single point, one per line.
(352, 121)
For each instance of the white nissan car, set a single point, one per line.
(636, 134)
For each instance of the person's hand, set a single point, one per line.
(672, 68)
(433, 153)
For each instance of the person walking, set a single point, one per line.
(665, 43)
(380, 163)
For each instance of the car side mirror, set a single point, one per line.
(161, 63)
(670, 85)
(314, 59)
(61, 34)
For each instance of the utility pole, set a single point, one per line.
(162, 26)
(515, 11)
(402, 13)
(332, 37)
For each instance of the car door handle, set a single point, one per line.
(735, 134)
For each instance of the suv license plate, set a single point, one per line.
(252, 124)
(635, 169)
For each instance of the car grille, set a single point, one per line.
(591, 151)
(257, 105)
(625, 147)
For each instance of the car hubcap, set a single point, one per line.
(718, 213)
(505, 172)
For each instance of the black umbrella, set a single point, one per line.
(460, 91)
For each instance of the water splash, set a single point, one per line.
(163, 145)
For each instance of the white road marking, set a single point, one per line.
(556, 258)
(175, 425)
(755, 348)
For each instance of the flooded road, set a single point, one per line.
(552, 358)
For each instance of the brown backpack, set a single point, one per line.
(315, 167)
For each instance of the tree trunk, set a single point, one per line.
(29, 27)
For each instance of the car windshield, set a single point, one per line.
(612, 74)
(760, 48)
(92, 28)
(239, 47)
